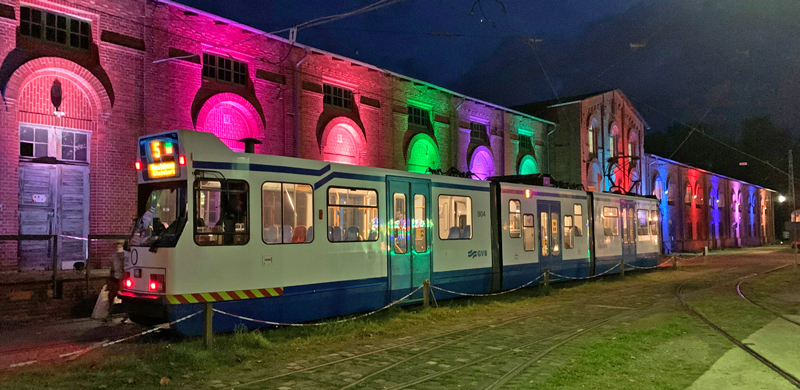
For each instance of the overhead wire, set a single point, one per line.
(595, 78)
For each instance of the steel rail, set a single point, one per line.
(761, 358)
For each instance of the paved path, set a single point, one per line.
(778, 341)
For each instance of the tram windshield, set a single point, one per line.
(162, 215)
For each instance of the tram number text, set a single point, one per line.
(481, 214)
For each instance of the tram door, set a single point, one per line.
(409, 216)
(549, 234)
(628, 231)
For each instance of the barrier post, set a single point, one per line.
(55, 267)
(622, 268)
(208, 330)
(546, 281)
(674, 262)
(426, 293)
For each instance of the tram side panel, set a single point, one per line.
(608, 232)
(648, 245)
(462, 253)
(542, 227)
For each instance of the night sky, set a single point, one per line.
(716, 60)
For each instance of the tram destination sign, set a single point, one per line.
(161, 156)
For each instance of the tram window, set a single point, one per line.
(455, 217)
(287, 213)
(221, 212)
(577, 209)
(513, 219)
(528, 233)
(544, 229)
(625, 225)
(610, 221)
(555, 237)
(399, 224)
(642, 228)
(654, 223)
(352, 214)
(569, 232)
(420, 224)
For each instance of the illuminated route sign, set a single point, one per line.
(160, 170)
(160, 155)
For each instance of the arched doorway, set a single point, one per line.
(231, 118)
(423, 154)
(59, 106)
(481, 165)
(343, 142)
(527, 166)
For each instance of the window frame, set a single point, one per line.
(195, 197)
(617, 217)
(475, 132)
(532, 226)
(418, 114)
(216, 68)
(67, 30)
(328, 205)
(329, 96)
(472, 217)
(282, 224)
(574, 219)
(519, 216)
(569, 238)
(646, 223)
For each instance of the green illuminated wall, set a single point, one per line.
(528, 166)
(422, 154)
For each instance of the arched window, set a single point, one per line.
(633, 144)
(481, 165)
(594, 125)
(688, 196)
(699, 194)
(612, 141)
(658, 188)
(672, 192)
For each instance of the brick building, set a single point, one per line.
(599, 142)
(81, 81)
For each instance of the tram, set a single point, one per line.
(292, 240)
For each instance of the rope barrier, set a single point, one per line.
(652, 267)
(584, 277)
(273, 323)
(76, 353)
(489, 294)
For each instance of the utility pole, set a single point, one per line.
(794, 207)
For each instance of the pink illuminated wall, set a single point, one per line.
(229, 117)
(481, 164)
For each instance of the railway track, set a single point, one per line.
(762, 306)
(761, 358)
(430, 344)
(407, 359)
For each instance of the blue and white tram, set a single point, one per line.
(292, 240)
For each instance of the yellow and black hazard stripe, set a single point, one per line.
(178, 299)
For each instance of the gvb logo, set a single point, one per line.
(474, 254)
